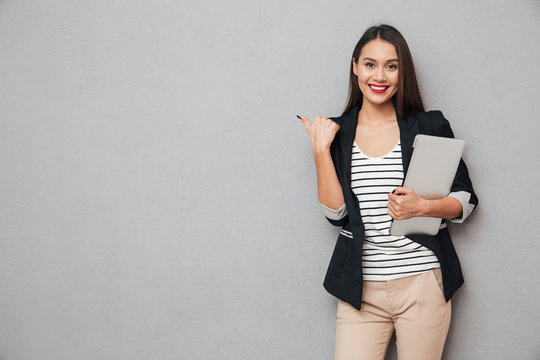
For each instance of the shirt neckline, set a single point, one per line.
(376, 157)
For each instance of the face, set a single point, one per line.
(377, 71)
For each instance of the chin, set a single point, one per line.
(377, 101)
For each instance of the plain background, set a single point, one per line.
(158, 194)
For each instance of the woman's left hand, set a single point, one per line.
(404, 203)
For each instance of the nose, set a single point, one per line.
(379, 74)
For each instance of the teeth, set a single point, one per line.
(378, 87)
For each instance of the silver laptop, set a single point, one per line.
(431, 172)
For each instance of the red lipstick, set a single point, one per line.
(376, 91)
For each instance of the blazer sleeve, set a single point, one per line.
(340, 216)
(462, 188)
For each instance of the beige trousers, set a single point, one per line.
(414, 306)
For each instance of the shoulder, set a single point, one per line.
(347, 120)
(432, 117)
(432, 122)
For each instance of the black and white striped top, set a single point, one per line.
(385, 257)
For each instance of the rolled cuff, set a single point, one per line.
(463, 197)
(334, 214)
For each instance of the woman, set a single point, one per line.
(385, 283)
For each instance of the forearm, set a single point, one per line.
(328, 185)
(446, 208)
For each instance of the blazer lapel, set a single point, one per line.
(408, 128)
(350, 122)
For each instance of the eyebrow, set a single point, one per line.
(391, 60)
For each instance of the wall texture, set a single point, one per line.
(158, 194)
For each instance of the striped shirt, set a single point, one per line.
(385, 257)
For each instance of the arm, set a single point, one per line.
(330, 190)
(322, 132)
(446, 208)
(328, 186)
(455, 207)
(405, 203)
(464, 197)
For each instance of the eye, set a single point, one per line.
(369, 65)
(392, 66)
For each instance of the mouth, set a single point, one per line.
(378, 89)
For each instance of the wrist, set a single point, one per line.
(426, 208)
(321, 151)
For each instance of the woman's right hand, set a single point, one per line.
(322, 132)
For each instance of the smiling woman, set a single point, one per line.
(385, 282)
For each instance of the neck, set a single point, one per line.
(375, 114)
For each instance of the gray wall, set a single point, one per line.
(158, 195)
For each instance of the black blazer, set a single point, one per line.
(344, 277)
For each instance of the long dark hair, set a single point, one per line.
(407, 98)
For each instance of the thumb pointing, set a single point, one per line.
(305, 120)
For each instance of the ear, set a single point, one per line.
(354, 67)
